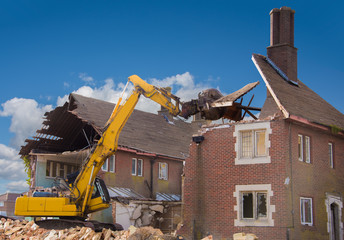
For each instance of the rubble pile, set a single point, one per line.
(145, 215)
(29, 230)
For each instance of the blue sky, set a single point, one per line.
(52, 48)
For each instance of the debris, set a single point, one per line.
(213, 105)
(10, 229)
(157, 208)
(137, 212)
(243, 236)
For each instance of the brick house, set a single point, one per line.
(7, 202)
(148, 162)
(278, 177)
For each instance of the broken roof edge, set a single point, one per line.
(277, 101)
(150, 154)
(65, 153)
(332, 129)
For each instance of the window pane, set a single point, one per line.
(308, 149)
(139, 167)
(246, 144)
(133, 166)
(163, 171)
(54, 169)
(300, 147)
(330, 154)
(260, 143)
(261, 205)
(61, 173)
(69, 169)
(105, 165)
(247, 205)
(47, 172)
(112, 163)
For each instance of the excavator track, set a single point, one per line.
(59, 224)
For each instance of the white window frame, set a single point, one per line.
(254, 127)
(304, 148)
(161, 172)
(330, 154)
(58, 168)
(2, 203)
(256, 221)
(302, 212)
(135, 166)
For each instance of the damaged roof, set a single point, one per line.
(72, 126)
(294, 99)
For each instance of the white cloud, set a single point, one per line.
(26, 117)
(183, 86)
(17, 186)
(12, 167)
(84, 77)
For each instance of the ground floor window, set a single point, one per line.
(253, 205)
(306, 211)
(59, 169)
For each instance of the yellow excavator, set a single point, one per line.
(87, 193)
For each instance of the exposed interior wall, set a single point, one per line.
(163, 215)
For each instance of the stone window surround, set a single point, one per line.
(252, 126)
(239, 222)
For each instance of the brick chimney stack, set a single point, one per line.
(281, 50)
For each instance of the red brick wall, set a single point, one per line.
(316, 179)
(211, 176)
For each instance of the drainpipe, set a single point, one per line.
(291, 180)
(198, 222)
(152, 162)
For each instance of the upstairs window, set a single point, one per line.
(109, 164)
(163, 171)
(304, 148)
(252, 144)
(306, 211)
(137, 167)
(300, 147)
(2, 203)
(330, 154)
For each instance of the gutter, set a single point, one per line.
(313, 124)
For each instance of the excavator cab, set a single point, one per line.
(100, 190)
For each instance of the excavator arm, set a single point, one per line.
(81, 203)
